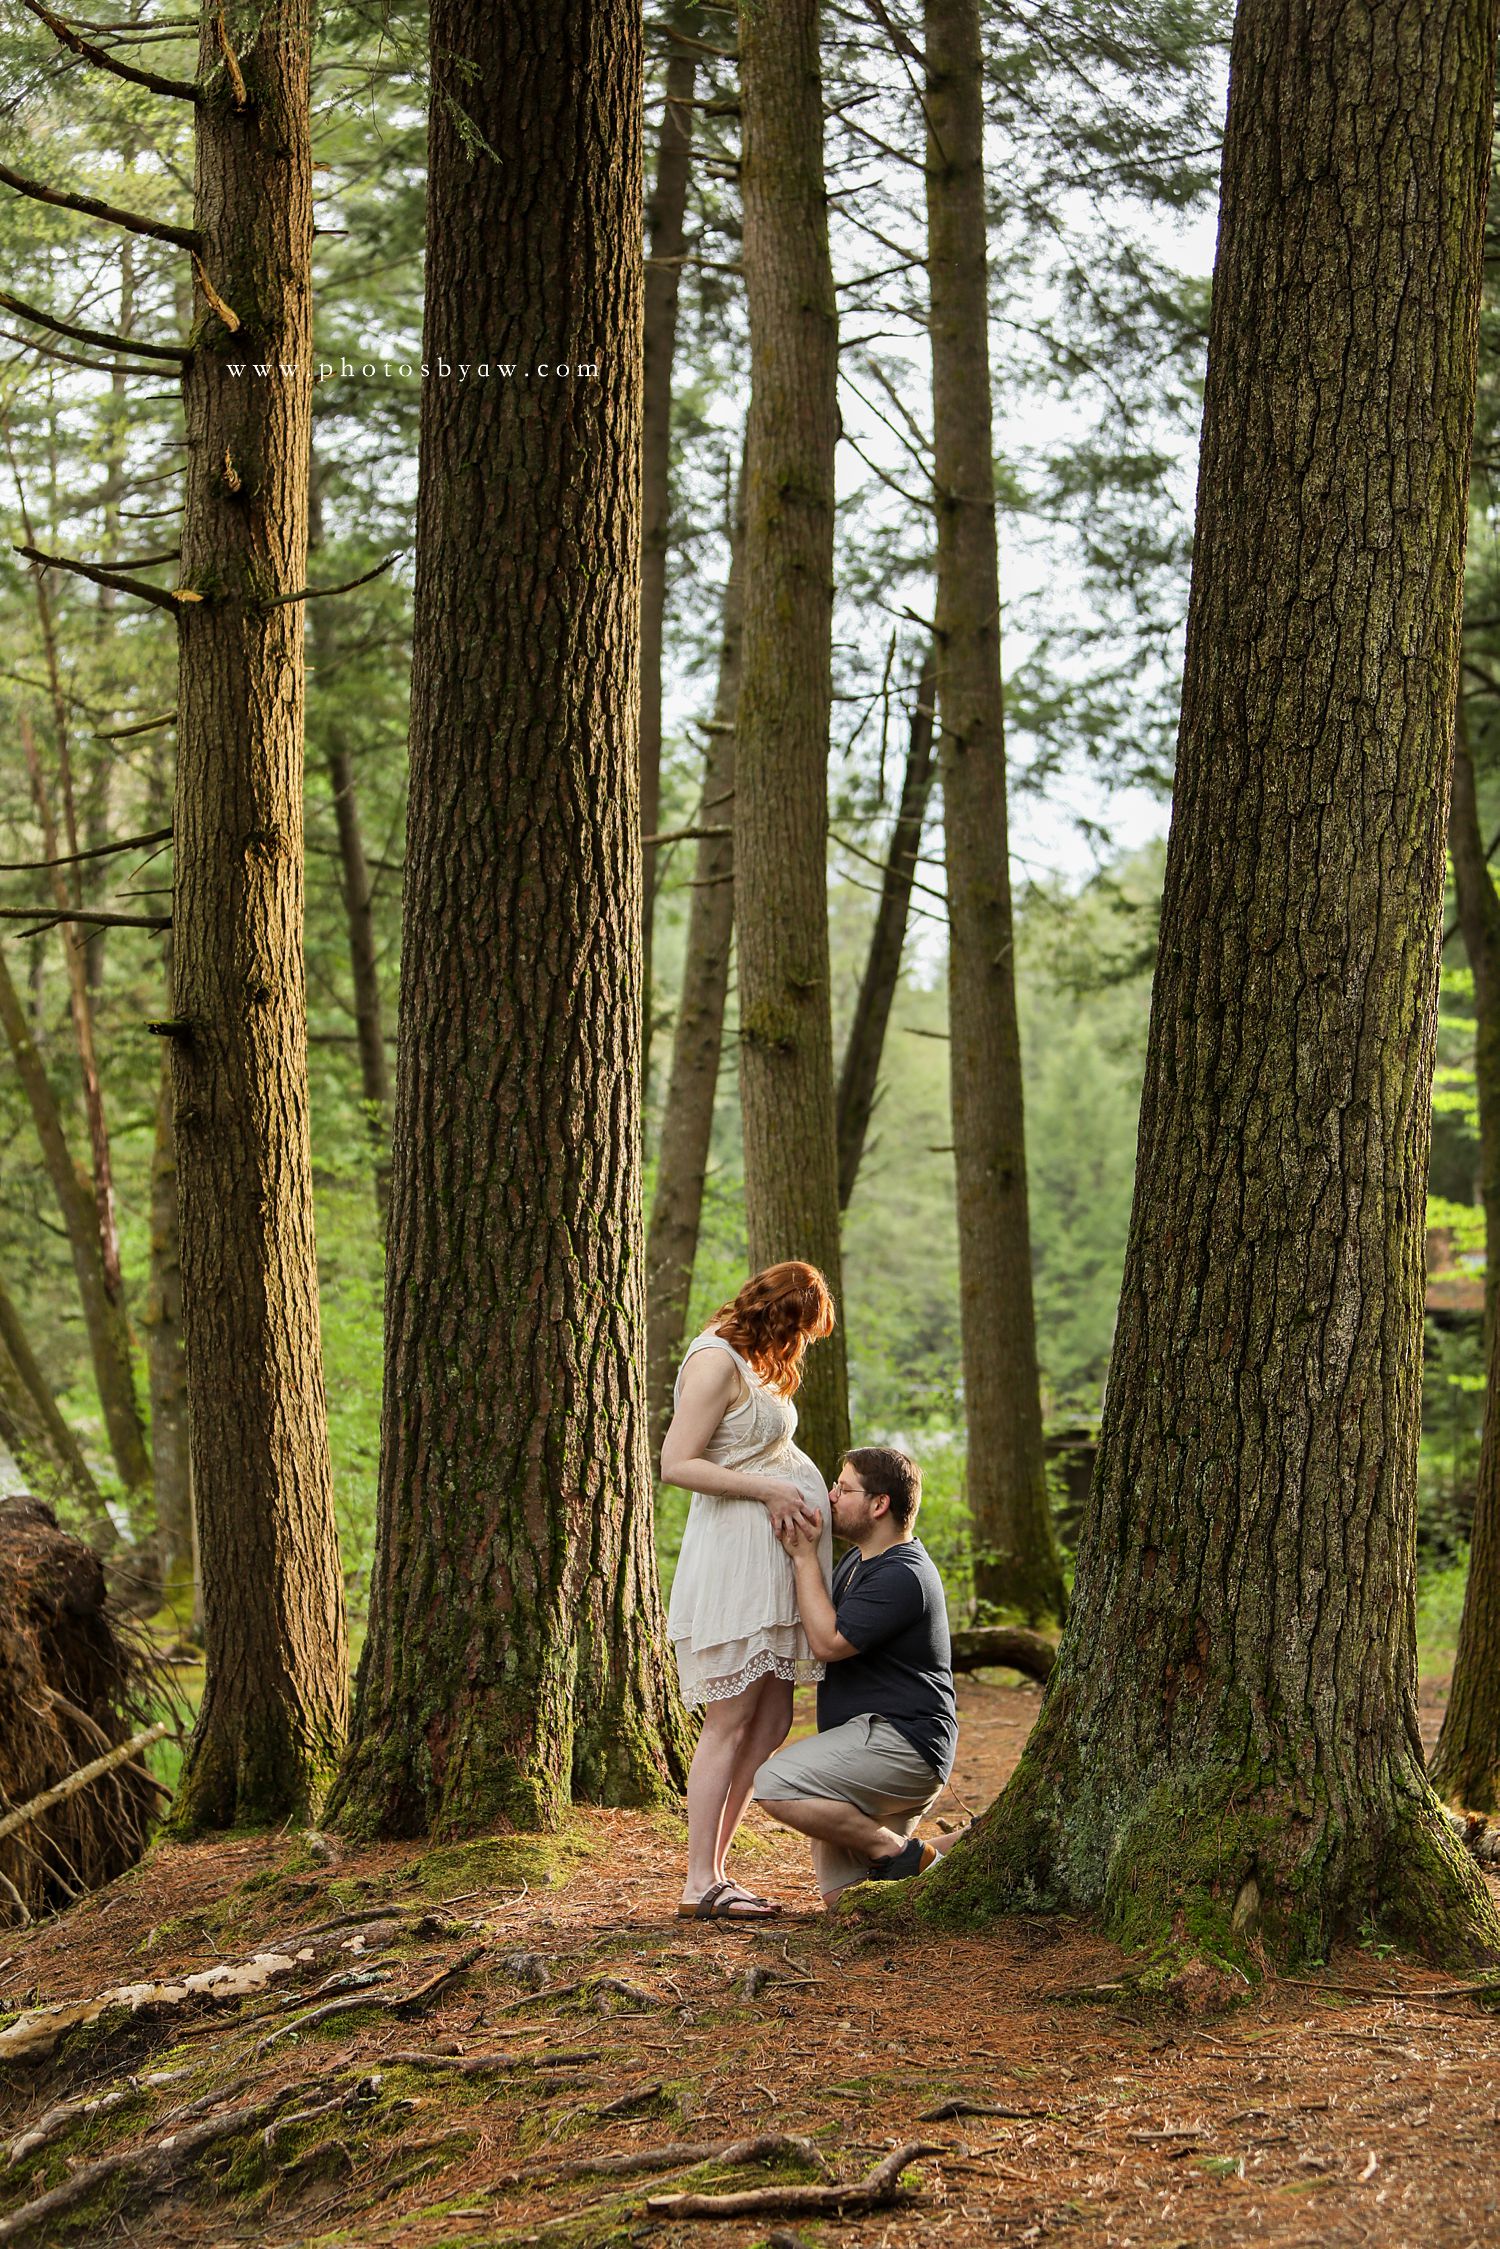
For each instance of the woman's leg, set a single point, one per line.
(721, 1750)
(770, 1723)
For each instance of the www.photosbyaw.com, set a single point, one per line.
(440, 370)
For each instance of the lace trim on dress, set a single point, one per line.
(802, 1672)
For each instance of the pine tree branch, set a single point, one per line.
(179, 89)
(76, 858)
(321, 593)
(231, 63)
(105, 921)
(184, 237)
(97, 336)
(161, 597)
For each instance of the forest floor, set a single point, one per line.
(1358, 2105)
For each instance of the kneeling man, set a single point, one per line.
(887, 1720)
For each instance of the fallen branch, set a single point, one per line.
(391, 2003)
(33, 2036)
(1009, 1644)
(25, 1813)
(146, 2170)
(877, 2190)
(946, 2111)
(488, 2065)
(683, 2155)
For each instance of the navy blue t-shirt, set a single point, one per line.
(892, 1610)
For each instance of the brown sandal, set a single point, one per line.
(719, 1903)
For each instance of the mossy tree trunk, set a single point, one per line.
(516, 1651)
(1466, 1762)
(1016, 1565)
(1229, 1741)
(786, 688)
(688, 1115)
(666, 240)
(276, 1686)
(859, 1078)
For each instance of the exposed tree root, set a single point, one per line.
(877, 2190)
(146, 2170)
(681, 2155)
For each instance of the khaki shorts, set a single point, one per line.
(866, 1762)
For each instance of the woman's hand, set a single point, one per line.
(788, 1510)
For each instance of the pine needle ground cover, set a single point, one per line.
(515, 2041)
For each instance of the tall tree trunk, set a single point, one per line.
(688, 1116)
(786, 689)
(32, 1426)
(666, 238)
(1466, 1762)
(354, 873)
(103, 1315)
(860, 1075)
(1015, 1552)
(67, 891)
(276, 1691)
(162, 1321)
(1229, 1740)
(516, 1645)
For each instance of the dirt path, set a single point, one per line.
(1305, 2114)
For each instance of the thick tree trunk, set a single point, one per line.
(516, 1646)
(103, 1315)
(276, 1690)
(860, 1075)
(1466, 1762)
(688, 1116)
(32, 1426)
(355, 884)
(1229, 1742)
(1015, 1553)
(665, 240)
(170, 1454)
(781, 767)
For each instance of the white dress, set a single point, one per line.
(733, 1613)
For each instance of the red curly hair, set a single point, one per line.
(774, 1318)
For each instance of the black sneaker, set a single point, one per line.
(915, 1857)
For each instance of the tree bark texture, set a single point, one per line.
(103, 1315)
(1015, 1552)
(860, 1075)
(688, 1115)
(781, 758)
(516, 1647)
(1466, 1762)
(665, 241)
(355, 884)
(1229, 1747)
(170, 1456)
(275, 1699)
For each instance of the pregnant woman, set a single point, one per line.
(733, 1614)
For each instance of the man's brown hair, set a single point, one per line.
(881, 1468)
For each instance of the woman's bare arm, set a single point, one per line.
(705, 1394)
